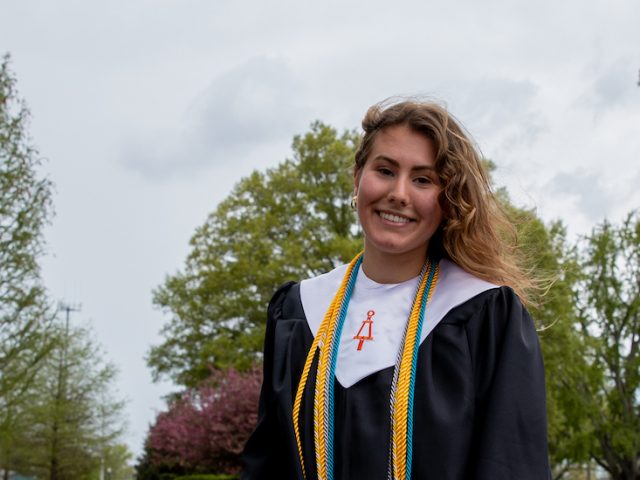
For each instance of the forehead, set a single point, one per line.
(403, 144)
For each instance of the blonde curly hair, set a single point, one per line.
(475, 233)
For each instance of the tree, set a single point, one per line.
(548, 254)
(25, 207)
(116, 464)
(294, 221)
(608, 320)
(56, 413)
(205, 429)
(72, 420)
(544, 251)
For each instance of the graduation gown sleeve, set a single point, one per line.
(270, 453)
(510, 431)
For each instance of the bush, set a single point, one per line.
(206, 428)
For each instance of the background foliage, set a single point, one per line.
(205, 429)
(292, 222)
(607, 301)
(25, 317)
(58, 418)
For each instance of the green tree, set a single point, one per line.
(608, 319)
(292, 222)
(544, 251)
(548, 254)
(116, 464)
(56, 413)
(72, 421)
(25, 208)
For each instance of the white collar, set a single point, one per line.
(317, 293)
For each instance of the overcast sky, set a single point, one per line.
(148, 112)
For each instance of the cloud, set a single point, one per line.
(586, 191)
(493, 101)
(501, 113)
(242, 109)
(609, 85)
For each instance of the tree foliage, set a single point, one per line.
(57, 416)
(548, 254)
(115, 465)
(72, 421)
(292, 222)
(545, 252)
(608, 320)
(25, 208)
(205, 429)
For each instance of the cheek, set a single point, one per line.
(369, 188)
(431, 208)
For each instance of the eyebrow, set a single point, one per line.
(397, 164)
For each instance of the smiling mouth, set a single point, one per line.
(391, 217)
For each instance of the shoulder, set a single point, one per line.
(497, 306)
(316, 294)
(325, 283)
(498, 328)
(285, 302)
(308, 299)
(490, 314)
(458, 291)
(284, 316)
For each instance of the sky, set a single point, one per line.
(148, 112)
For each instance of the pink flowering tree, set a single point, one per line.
(206, 428)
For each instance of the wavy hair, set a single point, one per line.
(476, 232)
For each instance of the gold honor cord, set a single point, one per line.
(321, 341)
(400, 401)
(402, 388)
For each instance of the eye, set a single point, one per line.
(385, 171)
(423, 180)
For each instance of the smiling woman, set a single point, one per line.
(417, 359)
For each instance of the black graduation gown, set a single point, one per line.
(479, 411)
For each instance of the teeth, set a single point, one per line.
(394, 218)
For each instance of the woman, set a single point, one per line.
(418, 359)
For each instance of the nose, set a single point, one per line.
(399, 192)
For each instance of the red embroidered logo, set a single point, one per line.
(365, 324)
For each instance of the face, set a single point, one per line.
(397, 191)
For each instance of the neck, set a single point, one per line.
(385, 268)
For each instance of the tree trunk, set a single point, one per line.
(53, 464)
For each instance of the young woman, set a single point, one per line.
(418, 359)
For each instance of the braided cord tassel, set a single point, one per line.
(323, 378)
(303, 381)
(399, 426)
(394, 382)
(402, 415)
(333, 357)
(320, 341)
(431, 281)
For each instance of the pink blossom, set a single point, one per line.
(207, 427)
